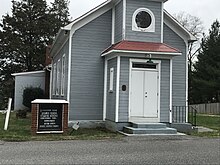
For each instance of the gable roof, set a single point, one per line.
(141, 47)
(65, 32)
(178, 28)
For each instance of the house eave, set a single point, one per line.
(27, 73)
(64, 32)
(184, 33)
(70, 26)
(141, 52)
(61, 37)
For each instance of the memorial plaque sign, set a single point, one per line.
(50, 117)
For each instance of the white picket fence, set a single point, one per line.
(209, 108)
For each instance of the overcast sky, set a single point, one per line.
(207, 10)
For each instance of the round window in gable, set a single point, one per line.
(143, 20)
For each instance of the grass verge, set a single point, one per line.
(20, 130)
(209, 121)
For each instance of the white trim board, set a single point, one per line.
(49, 101)
(105, 89)
(132, 119)
(117, 88)
(124, 21)
(113, 24)
(171, 89)
(142, 52)
(27, 73)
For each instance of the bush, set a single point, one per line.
(30, 94)
(22, 114)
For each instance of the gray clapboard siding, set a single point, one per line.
(64, 50)
(155, 7)
(165, 91)
(124, 95)
(179, 66)
(118, 21)
(111, 96)
(87, 68)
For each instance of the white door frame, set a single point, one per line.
(158, 62)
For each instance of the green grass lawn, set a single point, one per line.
(209, 121)
(20, 130)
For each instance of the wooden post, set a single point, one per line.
(8, 114)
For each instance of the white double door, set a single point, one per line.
(144, 94)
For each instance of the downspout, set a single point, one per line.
(187, 77)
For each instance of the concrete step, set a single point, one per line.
(149, 125)
(132, 130)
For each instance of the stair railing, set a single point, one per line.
(179, 114)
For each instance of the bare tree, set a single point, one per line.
(195, 26)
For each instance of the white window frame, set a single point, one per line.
(54, 78)
(58, 78)
(151, 28)
(63, 75)
(111, 80)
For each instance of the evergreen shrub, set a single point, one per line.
(30, 94)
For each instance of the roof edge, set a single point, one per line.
(139, 52)
(69, 26)
(64, 32)
(188, 35)
(26, 73)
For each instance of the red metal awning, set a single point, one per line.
(141, 47)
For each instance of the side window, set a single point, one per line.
(143, 20)
(54, 78)
(63, 75)
(58, 78)
(111, 80)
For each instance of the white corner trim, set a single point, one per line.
(105, 89)
(69, 66)
(124, 21)
(187, 83)
(117, 88)
(162, 20)
(129, 97)
(171, 89)
(113, 24)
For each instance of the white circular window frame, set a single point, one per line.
(151, 28)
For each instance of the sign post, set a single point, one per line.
(49, 116)
(8, 114)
